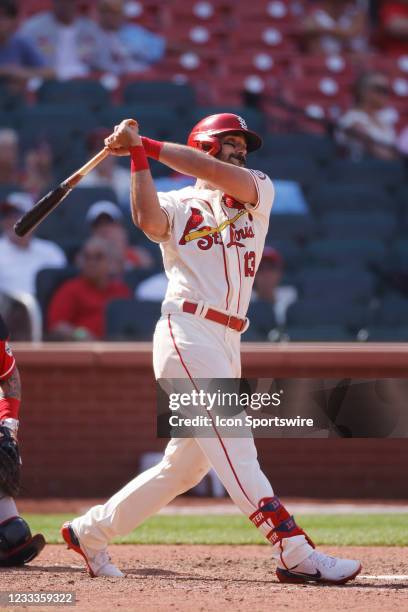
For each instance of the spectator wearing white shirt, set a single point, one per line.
(367, 129)
(22, 258)
(72, 44)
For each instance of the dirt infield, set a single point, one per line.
(210, 578)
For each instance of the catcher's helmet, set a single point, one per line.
(204, 135)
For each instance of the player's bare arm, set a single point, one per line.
(11, 387)
(145, 206)
(226, 174)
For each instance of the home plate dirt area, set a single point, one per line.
(210, 578)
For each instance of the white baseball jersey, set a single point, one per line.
(213, 251)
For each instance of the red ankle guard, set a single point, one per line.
(284, 525)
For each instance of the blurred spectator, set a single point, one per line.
(19, 59)
(38, 170)
(366, 129)
(108, 173)
(71, 43)
(22, 258)
(335, 26)
(267, 285)
(36, 174)
(9, 162)
(106, 221)
(132, 48)
(394, 26)
(77, 310)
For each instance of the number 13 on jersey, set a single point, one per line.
(249, 259)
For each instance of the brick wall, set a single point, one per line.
(88, 414)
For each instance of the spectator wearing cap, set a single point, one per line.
(393, 18)
(19, 58)
(71, 43)
(335, 27)
(105, 220)
(22, 258)
(109, 173)
(267, 286)
(131, 47)
(367, 129)
(77, 309)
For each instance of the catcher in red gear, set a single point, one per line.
(17, 545)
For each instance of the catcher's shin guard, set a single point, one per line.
(17, 545)
(284, 526)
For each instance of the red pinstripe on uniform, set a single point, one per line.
(212, 422)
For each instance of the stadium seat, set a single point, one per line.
(387, 333)
(262, 321)
(299, 228)
(318, 333)
(163, 94)
(399, 254)
(131, 320)
(393, 311)
(63, 127)
(326, 311)
(333, 252)
(319, 148)
(348, 282)
(160, 123)
(292, 168)
(134, 277)
(47, 282)
(290, 251)
(377, 225)
(5, 190)
(367, 171)
(362, 198)
(85, 93)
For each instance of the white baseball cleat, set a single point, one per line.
(98, 562)
(320, 568)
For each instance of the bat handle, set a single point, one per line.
(74, 179)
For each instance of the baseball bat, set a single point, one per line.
(51, 200)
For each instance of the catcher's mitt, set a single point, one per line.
(9, 464)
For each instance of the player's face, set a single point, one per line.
(233, 149)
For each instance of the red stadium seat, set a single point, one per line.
(268, 11)
(323, 65)
(263, 36)
(203, 12)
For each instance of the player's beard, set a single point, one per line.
(235, 160)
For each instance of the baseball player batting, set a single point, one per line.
(212, 237)
(17, 545)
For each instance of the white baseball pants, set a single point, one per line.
(186, 346)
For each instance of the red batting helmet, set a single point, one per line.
(204, 135)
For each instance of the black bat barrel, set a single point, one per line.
(40, 210)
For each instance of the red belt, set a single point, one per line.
(218, 317)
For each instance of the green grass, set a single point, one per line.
(334, 530)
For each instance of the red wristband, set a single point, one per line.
(138, 159)
(152, 147)
(9, 408)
